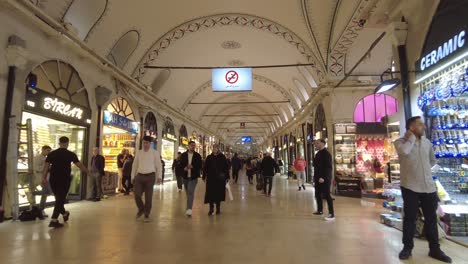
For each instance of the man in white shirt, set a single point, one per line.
(418, 189)
(39, 162)
(146, 171)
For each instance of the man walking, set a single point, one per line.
(191, 164)
(418, 188)
(322, 179)
(268, 169)
(39, 162)
(146, 170)
(96, 173)
(236, 166)
(58, 163)
(300, 166)
(178, 171)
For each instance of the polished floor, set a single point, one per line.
(251, 229)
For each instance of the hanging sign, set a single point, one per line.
(121, 122)
(55, 107)
(232, 80)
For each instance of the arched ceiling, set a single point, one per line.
(328, 35)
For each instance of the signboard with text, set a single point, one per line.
(232, 80)
(121, 122)
(49, 105)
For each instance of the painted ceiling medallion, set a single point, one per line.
(231, 44)
(236, 63)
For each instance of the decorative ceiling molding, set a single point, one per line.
(347, 38)
(242, 20)
(256, 77)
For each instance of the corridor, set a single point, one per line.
(251, 229)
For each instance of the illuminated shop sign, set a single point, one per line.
(170, 137)
(52, 106)
(446, 49)
(121, 122)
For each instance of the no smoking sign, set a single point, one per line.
(232, 77)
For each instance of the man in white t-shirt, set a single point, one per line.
(146, 171)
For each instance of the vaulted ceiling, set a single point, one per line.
(329, 35)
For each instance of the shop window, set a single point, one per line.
(121, 107)
(374, 107)
(62, 80)
(123, 48)
(84, 15)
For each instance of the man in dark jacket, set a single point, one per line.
(236, 166)
(215, 174)
(268, 169)
(127, 174)
(191, 164)
(178, 171)
(96, 173)
(322, 178)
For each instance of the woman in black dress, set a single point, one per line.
(215, 174)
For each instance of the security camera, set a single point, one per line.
(362, 22)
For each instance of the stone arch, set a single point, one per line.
(243, 20)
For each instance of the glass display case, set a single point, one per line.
(444, 101)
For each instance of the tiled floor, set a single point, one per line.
(252, 229)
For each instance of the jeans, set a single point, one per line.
(60, 189)
(300, 178)
(322, 191)
(411, 203)
(267, 181)
(235, 174)
(96, 185)
(180, 181)
(144, 184)
(190, 191)
(127, 183)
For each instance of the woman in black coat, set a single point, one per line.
(215, 174)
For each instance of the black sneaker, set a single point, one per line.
(211, 212)
(66, 216)
(97, 199)
(299, 189)
(405, 254)
(303, 186)
(139, 214)
(55, 224)
(440, 255)
(318, 213)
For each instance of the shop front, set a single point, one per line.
(443, 99)
(285, 154)
(150, 128)
(168, 148)
(183, 139)
(120, 130)
(310, 152)
(364, 149)
(52, 109)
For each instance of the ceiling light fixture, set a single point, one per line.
(387, 85)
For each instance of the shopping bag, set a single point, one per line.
(228, 188)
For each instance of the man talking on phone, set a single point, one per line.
(418, 189)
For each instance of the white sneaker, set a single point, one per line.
(147, 220)
(180, 190)
(189, 212)
(329, 218)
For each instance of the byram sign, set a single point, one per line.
(232, 80)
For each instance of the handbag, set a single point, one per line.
(228, 188)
